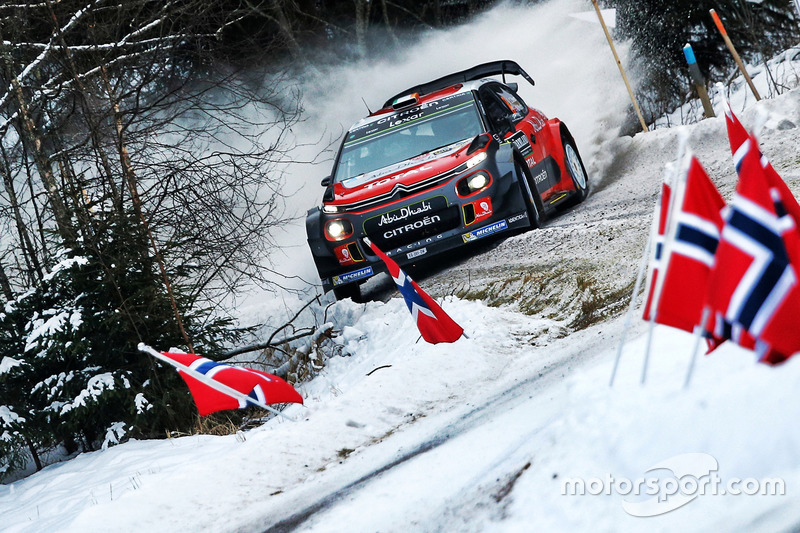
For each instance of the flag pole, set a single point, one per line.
(651, 324)
(683, 140)
(649, 302)
(216, 385)
(632, 307)
(698, 335)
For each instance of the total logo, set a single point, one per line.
(384, 181)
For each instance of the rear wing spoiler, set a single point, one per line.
(475, 73)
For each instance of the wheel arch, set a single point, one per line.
(559, 135)
(580, 195)
(519, 162)
(566, 134)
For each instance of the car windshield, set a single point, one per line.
(407, 134)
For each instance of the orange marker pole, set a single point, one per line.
(734, 53)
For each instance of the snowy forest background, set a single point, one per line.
(141, 152)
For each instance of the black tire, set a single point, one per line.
(351, 290)
(533, 201)
(577, 171)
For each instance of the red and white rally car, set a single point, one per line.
(441, 165)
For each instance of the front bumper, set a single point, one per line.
(419, 227)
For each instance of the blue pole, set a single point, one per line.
(689, 53)
(699, 81)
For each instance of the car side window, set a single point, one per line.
(514, 103)
(496, 111)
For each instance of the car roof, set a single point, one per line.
(484, 70)
(465, 81)
(380, 114)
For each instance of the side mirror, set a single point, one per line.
(480, 142)
(514, 86)
(327, 181)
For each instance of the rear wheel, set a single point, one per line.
(533, 202)
(574, 165)
(351, 290)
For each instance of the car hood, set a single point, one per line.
(406, 172)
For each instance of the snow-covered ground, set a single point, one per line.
(483, 434)
(479, 435)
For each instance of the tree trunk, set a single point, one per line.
(5, 285)
(89, 116)
(36, 211)
(127, 169)
(44, 168)
(362, 24)
(28, 250)
(276, 12)
(42, 162)
(388, 24)
(285, 26)
(36, 459)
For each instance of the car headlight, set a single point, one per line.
(477, 160)
(477, 181)
(338, 229)
(473, 183)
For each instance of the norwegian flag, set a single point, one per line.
(654, 280)
(753, 295)
(433, 323)
(262, 388)
(690, 243)
(738, 135)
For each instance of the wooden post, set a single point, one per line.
(619, 64)
(734, 53)
(699, 81)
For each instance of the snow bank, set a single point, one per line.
(462, 421)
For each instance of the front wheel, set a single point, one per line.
(574, 165)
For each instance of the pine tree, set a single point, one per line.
(73, 375)
(658, 32)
